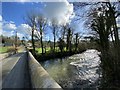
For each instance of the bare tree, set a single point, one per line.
(69, 39)
(61, 44)
(76, 41)
(103, 22)
(16, 40)
(30, 19)
(113, 15)
(63, 31)
(54, 30)
(42, 21)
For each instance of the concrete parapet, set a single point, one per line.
(39, 77)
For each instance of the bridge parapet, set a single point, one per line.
(39, 77)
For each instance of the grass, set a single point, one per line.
(3, 49)
(39, 50)
(6, 49)
(57, 54)
(48, 49)
(54, 54)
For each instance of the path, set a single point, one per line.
(14, 68)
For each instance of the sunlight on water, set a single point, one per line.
(76, 71)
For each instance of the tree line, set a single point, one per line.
(63, 35)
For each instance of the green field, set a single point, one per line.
(6, 49)
(39, 50)
(3, 49)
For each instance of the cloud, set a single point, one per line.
(9, 26)
(0, 25)
(20, 35)
(24, 0)
(11, 33)
(5, 33)
(0, 18)
(61, 11)
(24, 28)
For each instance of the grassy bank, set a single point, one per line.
(54, 54)
(6, 49)
(39, 50)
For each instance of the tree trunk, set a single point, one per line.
(16, 43)
(116, 35)
(33, 43)
(54, 38)
(67, 42)
(76, 42)
(42, 44)
(70, 46)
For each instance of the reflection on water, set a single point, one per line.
(77, 71)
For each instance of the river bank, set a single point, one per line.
(54, 55)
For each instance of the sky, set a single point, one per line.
(13, 14)
(13, 11)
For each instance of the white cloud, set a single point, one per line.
(9, 26)
(61, 11)
(6, 33)
(0, 18)
(37, 33)
(9, 29)
(0, 25)
(20, 35)
(24, 0)
(24, 28)
(11, 33)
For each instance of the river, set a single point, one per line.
(77, 71)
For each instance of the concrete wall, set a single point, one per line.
(39, 77)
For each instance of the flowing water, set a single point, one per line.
(77, 71)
